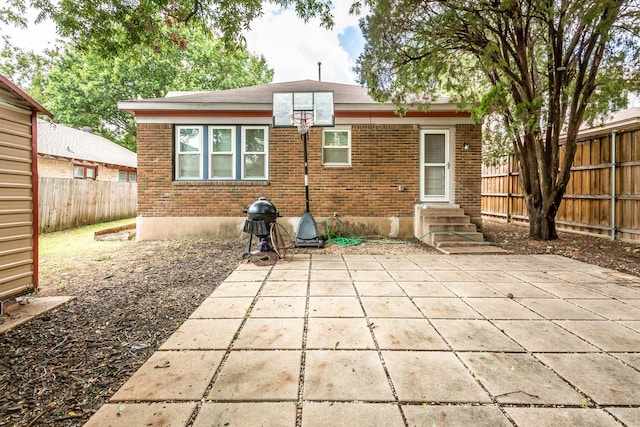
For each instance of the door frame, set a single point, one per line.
(446, 197)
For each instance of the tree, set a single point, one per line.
(82, 87)
(538, 68)
(116, 25)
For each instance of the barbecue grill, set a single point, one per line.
(260, 215)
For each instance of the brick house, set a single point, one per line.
(380, 173)
(65, 152)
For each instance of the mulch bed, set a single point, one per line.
(61, 367)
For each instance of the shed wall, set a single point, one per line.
(16, 195)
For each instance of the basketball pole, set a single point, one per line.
(306, 170)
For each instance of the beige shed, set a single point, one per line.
(18, 192)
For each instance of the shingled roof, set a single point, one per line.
(62, 141)
(259, 97)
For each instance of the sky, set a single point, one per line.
(291, 47)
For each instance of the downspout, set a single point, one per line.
(613, 185)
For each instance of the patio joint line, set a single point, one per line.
(303, 352)
(228, 350)
(375, 342)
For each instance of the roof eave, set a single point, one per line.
(15, 89)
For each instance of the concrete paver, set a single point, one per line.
(432, 377)
(334, 288)
(143, 414)
(406, 334)
(258, 376)
(335, 307)
(266, 414)
(284, 289)
(395, 340)
(203, 334)
(223, 308)
(279, 307)
(609, 382)
(610, 309)
(342, 333)
(558, 309)
(390, 307)
(171, 375)
(474, 335)
(629, 416)
(322, 414)
(451, 415)
(501, 308)
(608, 335)
(446, 308)
(543, 335)
(379, 289)
(345, 376)
(473, 289)
(265, 333)
(520, 379)
(553, 417)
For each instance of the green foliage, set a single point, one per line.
(82, 87)
(116, 25)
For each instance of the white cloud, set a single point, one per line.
(293, 48)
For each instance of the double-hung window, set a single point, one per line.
(254, 152)
(222, 143)
(222, 152)
(189, 152)
(336, 147)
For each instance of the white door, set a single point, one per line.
(434, 165)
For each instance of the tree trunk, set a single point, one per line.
(542, 221)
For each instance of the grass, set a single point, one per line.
(58, 249)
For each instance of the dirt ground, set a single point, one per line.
(59, 368)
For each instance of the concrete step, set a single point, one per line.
(452, 226)
(450, 237)
(471, 249)
(445, 219)
(441, 212)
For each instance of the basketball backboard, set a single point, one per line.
(285, 104)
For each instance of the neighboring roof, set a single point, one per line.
(20, 97)
(62, 141)
(258, 97)
(615, 121)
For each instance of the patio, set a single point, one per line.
(367, 340)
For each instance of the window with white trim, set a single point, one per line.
(125, 176)
(189, 152)
(222, 143)
(336, 147)
(84, 172)
(254, 152)
(223, 152)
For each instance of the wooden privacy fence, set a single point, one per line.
(68, 203)
(603, 194)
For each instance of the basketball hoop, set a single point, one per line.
(303, 120)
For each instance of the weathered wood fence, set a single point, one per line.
(603, 194)
(69, 203)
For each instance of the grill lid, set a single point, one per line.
(262, 207)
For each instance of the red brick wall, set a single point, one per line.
(468, 170)
(382, 158)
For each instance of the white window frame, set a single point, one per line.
(348, 147)
(446, 197)
(178, 153)
(244, 152)
(211, 128)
